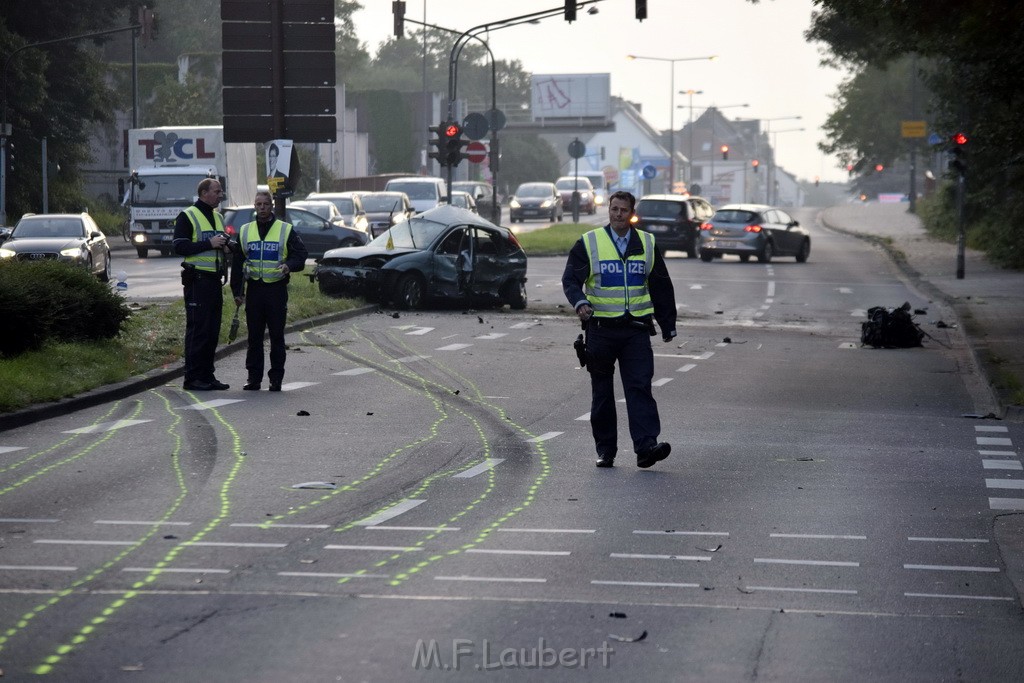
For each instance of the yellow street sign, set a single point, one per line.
(913, 129)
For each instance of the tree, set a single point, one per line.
(526, 158)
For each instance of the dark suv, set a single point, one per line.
(318, 234)
(674, 220)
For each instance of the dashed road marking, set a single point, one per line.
(454, 347)
(1006, 503)
(292, 386)
(106, 426)
(232, 544)
(355, 371)
(822, 536)
(139, 522)
(643, 556)
(492, 335)
(498, 551)
(386, 548)
(1001, 464)
(957, 597)
(991, 428)
(37, 568)
(834, 591)
(646, 584)
(951, 568)
(9, 449)
(176, 570)
(687, 367)
(947, 540)
(491, 579)
(673, 532)
(524, 530)
(992, 441)
(391, 512)
(329, 575)
(812, 563)
(1017, 484)
(210, 405)
(487, 464)
(544, 437)
(661, 382)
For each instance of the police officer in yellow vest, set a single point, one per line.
(617, 282)
(199, 237)
(269, 250)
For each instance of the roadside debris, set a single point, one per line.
(709, 550)
(893, 329)
(627, 639)
(315, 485)
(617, 615)
(303, 413)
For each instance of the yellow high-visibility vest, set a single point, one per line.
(202, 230)
(618, 285)
(263, 258)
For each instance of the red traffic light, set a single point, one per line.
(452, 130)
(879, 167)
(958, 138)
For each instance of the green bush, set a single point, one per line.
(53, 301)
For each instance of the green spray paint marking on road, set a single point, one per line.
(20, 463)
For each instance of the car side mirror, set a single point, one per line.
(95, 234)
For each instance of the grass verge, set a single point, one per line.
(554, 241)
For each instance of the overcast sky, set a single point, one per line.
(763, 59)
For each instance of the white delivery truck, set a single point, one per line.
(167, 165)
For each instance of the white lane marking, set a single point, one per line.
(990, 428)
(403, 327)
(621, 400)
(950, 568)
(453, 347)
(329, 575)
(393, 511)
(387, 548)
(652, 584)
(957, 597)
(9, 449)
(642, 556)
(689, 356)
(661, 382)
(696, 286)
(544, 437)
(208, 405)
(1006, 503)
(836, 591)
(858, 313)
(279, 525)
(230, 544)
(771, 288)
(523, 326)
(486, 551)
(450, 336)
(414, 528)
(106, 426)
(947, 540)
(759, 314)
(492, 335)
(356, 371)
(1001, 464)
(849, 345)
(1017, 484)
(769, 300)
(139, 523)
(27, 520)
(840, 537)
(992, 441)
(765, 307)
(673, 532)
(526, 339)
(175, 570)
(37, 568)
(687, 367)
(844, 290)
(60, 541)
(1011, 454)
(584, 416)
(525, 530)
(490, 579)
(419, 331)
(292, 386)
(487, 464)
(408, 359)
(812, 563)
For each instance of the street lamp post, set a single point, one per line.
(711, 174)
(771, 188)
(672, 107)
(771, 157)
(689, 158)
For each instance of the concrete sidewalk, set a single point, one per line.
(988, 302)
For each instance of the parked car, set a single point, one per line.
(753, 230)
(71, 237)
(5, 232)
(425, 192)
(349, 205)
(385, 209)
(536, 200)
(482, 193)
(321, 207)
(317, 234)
(444, 254)
(464, 200)
(674, 220)
(600, 185)
(568, 184)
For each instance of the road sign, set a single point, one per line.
(495, 119)
(475, 126)
(913, 129)
(577, 149)
(476, 151)
(649, 172)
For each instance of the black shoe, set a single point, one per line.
(197, 385)
(653, 455)
(605, 461)
(218, 385)
(275, 386)
(251, 386)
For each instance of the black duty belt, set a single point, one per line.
(619, 323)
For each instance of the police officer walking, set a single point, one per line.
(618, 283)
(270, 250)
(199, 237)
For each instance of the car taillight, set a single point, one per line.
(706, 226)
(513, 240)
(752, 228)
(229, 229)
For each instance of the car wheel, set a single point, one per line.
(143, 252)
(410, 292)
(105, 275)
(165, 252)
(805, 251)
(744, 257)
(706, 256)
(516, 297)
(766, 253)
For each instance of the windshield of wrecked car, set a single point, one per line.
(415, 233)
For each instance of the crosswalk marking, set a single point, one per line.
(106, 426)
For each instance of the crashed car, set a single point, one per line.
(445, 254)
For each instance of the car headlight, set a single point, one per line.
(547, 203)
(598, 199)
(7, 253)
(514, 204)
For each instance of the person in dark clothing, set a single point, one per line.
(199, 237)
(618, 284)
(268, 251)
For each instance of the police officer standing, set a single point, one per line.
(618, 283)
(270, 250)
(199, 237)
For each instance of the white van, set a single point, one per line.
(424, 192)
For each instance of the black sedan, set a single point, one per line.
(71, 237)
(442, 254)
(536, 200)
(319, 235)
(753, 230)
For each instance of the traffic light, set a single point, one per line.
(958, 153)
(147, 19)
(437, 151)
(398, 9)
(453, 145)
(849, 170)
(641, 10)
(756, 164)
(570, 10)
(879, 168)
(725, 152)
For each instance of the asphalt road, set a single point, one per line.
(825, 513)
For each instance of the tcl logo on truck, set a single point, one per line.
(164, 147)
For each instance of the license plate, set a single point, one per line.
(725, 244)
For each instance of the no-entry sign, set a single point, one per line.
(476, 151)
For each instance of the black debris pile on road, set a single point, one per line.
(890, 329)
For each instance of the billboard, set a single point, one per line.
(555, 96)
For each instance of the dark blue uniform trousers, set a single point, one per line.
(266, 309)
(204, 303)
(631, 347)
